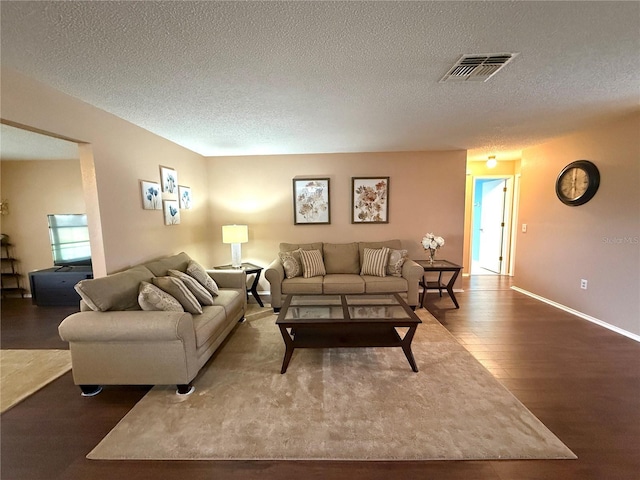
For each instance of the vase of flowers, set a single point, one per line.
(431, 243)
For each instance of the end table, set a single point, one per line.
(439, 266)
(248, 268)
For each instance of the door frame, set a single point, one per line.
(507, 264)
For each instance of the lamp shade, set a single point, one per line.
(235, 234)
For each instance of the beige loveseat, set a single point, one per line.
(114, 342)
(343, 264)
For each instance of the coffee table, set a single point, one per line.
(331, 321)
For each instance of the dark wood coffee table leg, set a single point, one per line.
(288, 342)
(406, 348)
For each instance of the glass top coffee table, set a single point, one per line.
(331, 321)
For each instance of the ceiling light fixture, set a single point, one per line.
(491, 163)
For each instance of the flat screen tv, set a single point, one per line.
(69, 235)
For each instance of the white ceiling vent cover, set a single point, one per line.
(477, 67)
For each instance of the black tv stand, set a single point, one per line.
(54, 286)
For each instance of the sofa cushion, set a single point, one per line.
(195, 270)
(212, 321)
(231, 300)
(292, 263)
(341, 258)
(195, 287)
(396, 244)
(312, 264)
(374, 261)
(118, 291)
(342, 283)
(373, 284)
(153, 298)
(302, 285)
(176, 288)
(288, 247)
(161, 266)
(396, 260)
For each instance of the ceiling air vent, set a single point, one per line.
(477, 68)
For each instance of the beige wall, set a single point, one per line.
(35, 189)
(598, 241)
(426, 194)
(123, 154)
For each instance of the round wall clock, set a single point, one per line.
(577, 183)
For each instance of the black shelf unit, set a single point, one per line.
(10, 277)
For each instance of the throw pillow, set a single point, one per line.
(375, 261)
(396, 260)
(152, 298)
(177, 289)
(196, 271)
(291, 263)
(312, 264)
(195, 287)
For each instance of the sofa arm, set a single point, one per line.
(275, 275)
(412, 272)
(229, 278)
(129, 326)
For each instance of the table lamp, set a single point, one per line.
(235, 235)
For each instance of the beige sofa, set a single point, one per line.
(343, 264)
(115, 342)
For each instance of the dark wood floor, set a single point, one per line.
(581, 380)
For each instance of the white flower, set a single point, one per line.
(430, 241)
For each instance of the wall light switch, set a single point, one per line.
(524, 228)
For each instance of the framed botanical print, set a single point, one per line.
(169, 182)
(184, 194)
(151, 196)
(171, 212)
(311, 201)
(370, 200)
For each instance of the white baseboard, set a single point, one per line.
(584, 316)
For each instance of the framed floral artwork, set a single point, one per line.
(171, 212)
(311, 201)
(151, 195)
(169, 181)
(370, 200)
(184, 195)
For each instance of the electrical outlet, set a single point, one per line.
(583, 284)
(524, 228)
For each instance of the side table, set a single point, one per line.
(439, 266)
(249, 269)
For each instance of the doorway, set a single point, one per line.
(491, 225)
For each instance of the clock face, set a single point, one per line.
(577, 183)
(574, 183)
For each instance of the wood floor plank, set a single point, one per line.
(581, 380)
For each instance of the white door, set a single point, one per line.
(492, 224)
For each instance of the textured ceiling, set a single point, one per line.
(244, 78)
(18, 144)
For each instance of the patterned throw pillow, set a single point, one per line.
(200, 274)
(396, 260)
(375, 261)
(195, 287)
(291, 263)
(177, 289)
(152, 298)
(312, 263)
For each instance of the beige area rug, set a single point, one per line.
(337, 404)
(24, 372)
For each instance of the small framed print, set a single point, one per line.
(169, 181)
(370, 200)
(184, 194)
(151, 196)
(311, 201)
(171, 212)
